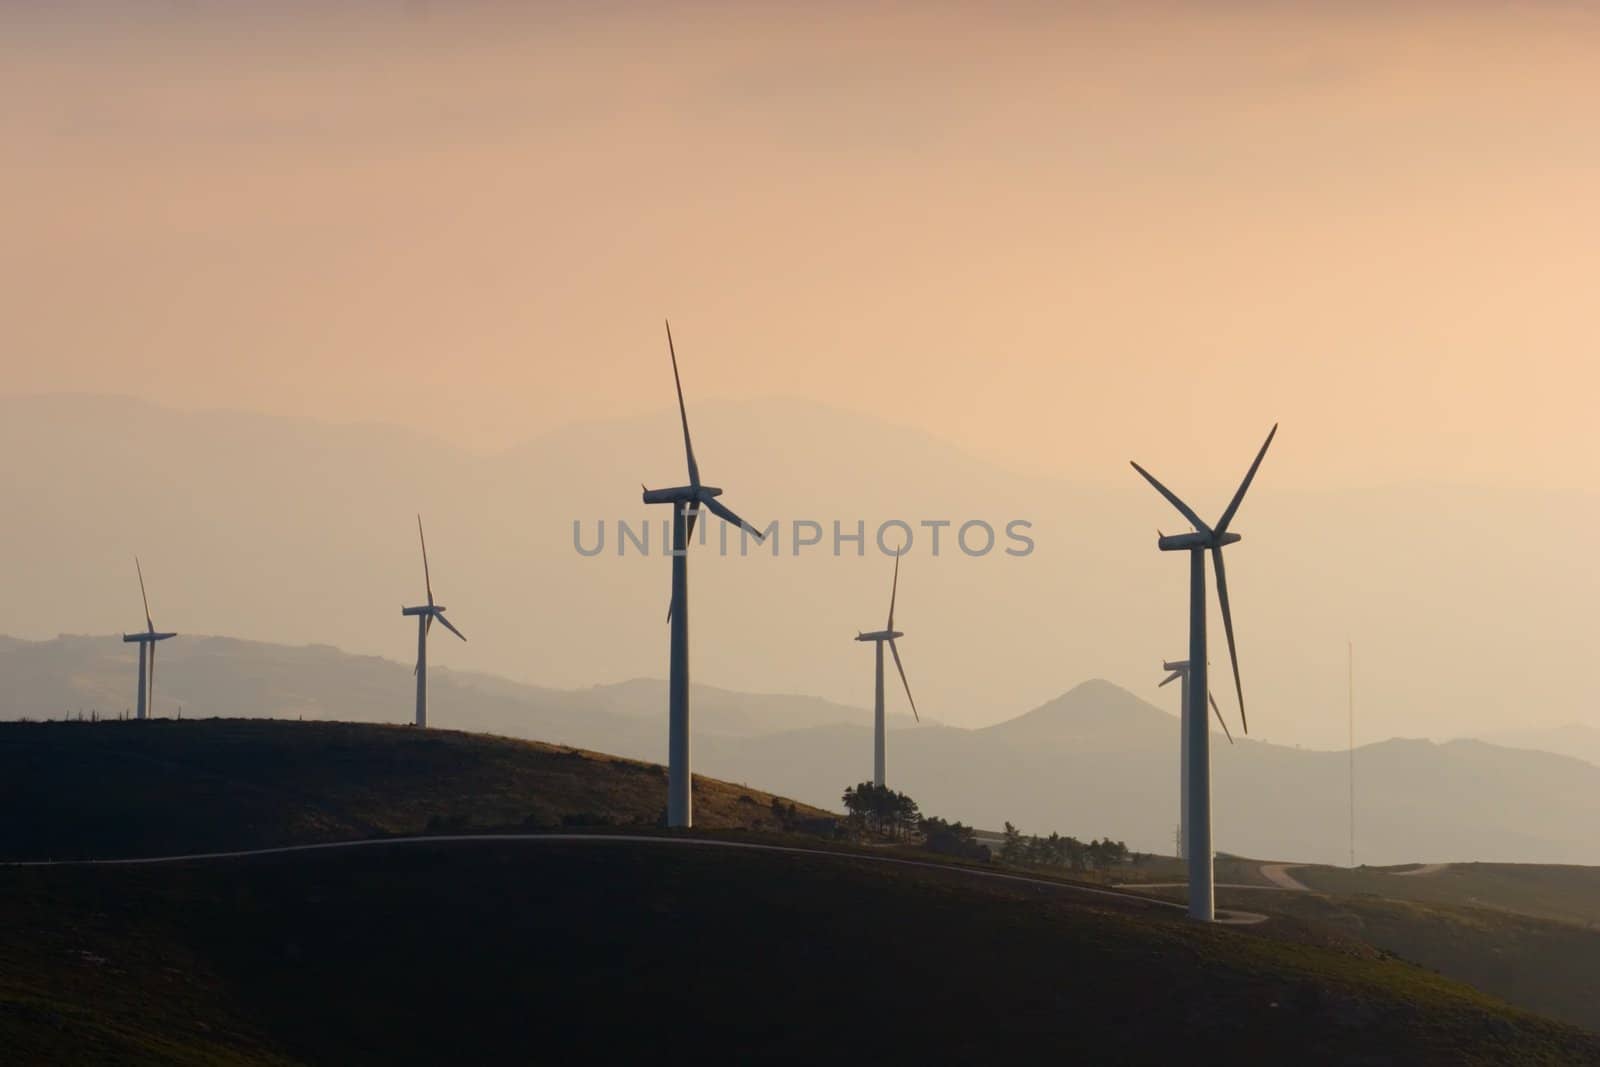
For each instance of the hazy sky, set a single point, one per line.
(1058, 236)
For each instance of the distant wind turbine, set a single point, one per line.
(1203, 539)
(1180, 672)
(425, 614)
(879, 638)
(147, 650)
(686, 501)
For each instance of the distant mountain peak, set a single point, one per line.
(1093, 708)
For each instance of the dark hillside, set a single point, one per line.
(614, 952)
(111, 789)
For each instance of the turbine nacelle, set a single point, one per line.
(681, 493)
(146, 637)
(880, 635)
(1180, 669)
(424, 609)
(1196, 540)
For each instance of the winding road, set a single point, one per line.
(1426, 868)
(1230, 918)
(1278, 874)
(1280, 880)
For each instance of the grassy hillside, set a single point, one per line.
(160, 787)
(1476, 927)
(436, 952)
(1550, 891)
(1544, 964)
(611, 952)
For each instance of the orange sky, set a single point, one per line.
(1059, 238)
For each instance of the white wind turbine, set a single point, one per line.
(879, 638)
(146, 641)
(425, 614)
(1203, 539)
(1180, 672)
(686, 501)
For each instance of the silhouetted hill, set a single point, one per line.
(1090, 715)
(71, 790)
(592, 952)
(1095, 761)
(1573, 739)
(223, 676)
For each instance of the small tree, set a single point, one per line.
(1011, 847)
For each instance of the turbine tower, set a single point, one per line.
(686, 501)
(1180, 672)
(1203, 539)
(425, 614)
(879, 638)
(146, 641)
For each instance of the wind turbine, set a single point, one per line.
(147, 650)
(686, 501)
(1180, 672)
(879, 638)
(425, 614)
(1203, 539)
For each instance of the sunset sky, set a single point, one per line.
(1052, 237)
(1057, 236)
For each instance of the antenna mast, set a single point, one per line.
(1351, 683)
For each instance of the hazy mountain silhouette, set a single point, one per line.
(291, 530)
(1572, 739)
(1095, 715)
(221, 676)
(1096, 760)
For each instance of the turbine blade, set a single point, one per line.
(1172, 498)
(1227, 627)
(896, 653)
(1238, 498)
(149, 626)
(894, 589)
(426, 577)
(427, 626)
(1173, 677)
(449, 626)
(1220, 721)
(726, 514)
(688, 448)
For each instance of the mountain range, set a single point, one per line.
(293, 531)
(1095, 761)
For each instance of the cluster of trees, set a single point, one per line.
(952, 839)
(883, 811)
(1058, 851)
(880, 810)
